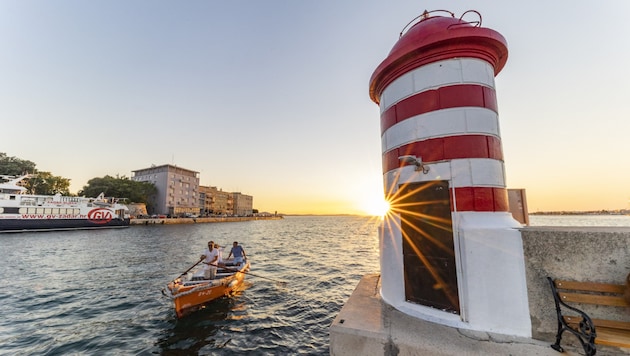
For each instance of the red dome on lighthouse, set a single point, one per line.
(434, 39)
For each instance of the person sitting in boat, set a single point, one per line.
(239, 253)
(210, 260)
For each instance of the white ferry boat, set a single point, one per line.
(26, 212)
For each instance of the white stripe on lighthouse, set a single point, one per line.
(435, 75)
(446, 122)
(475, 172)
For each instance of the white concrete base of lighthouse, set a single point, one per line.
(491, 276)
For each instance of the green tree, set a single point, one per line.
(44, 183)
(120, 187)
(13, 166)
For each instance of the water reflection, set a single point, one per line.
(199, 329)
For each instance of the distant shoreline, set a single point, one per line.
(171, 221)
(593, 212)
(366, 215)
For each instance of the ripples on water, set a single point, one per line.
(98, 292)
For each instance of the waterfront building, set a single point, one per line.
(213, 201)
(177, 189)
(242, 204)
(220, 204)
(205, 200)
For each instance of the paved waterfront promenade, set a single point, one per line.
(201, 220)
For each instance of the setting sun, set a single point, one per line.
(376, 206)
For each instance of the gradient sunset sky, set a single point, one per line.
(270, 98)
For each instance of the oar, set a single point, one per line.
(280, 283)
(191, 267)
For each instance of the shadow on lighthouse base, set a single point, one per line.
(368, 326)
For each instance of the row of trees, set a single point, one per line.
(121, 187)
(45, 183)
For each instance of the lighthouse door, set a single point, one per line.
(428, 246)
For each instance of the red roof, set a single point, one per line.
(434, 39)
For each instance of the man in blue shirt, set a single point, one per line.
(238, 252)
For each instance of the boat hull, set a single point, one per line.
(24, 225)
(187, 299)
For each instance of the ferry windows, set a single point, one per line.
(1, 210)
(28, 202)
(48, 211)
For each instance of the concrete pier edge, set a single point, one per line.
(368, 326)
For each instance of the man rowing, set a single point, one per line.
(239, 253)
(210, 259)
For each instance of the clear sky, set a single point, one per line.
(270, 98)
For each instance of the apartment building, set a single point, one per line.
(214, 201)
(177, 189)
(241, 204)
(205, 200)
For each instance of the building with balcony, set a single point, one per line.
(213, 201)
(177, 189)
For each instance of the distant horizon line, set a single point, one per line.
(583, 212)
(325, 214)
(549, 212)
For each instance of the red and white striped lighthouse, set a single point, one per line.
(450, 249)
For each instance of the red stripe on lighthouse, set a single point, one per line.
(445, 148)
(480, 199)
(453, 96)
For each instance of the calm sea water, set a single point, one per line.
(98, 292)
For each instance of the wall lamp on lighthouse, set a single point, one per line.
(417, 161)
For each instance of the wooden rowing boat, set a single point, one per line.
(192, 290)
